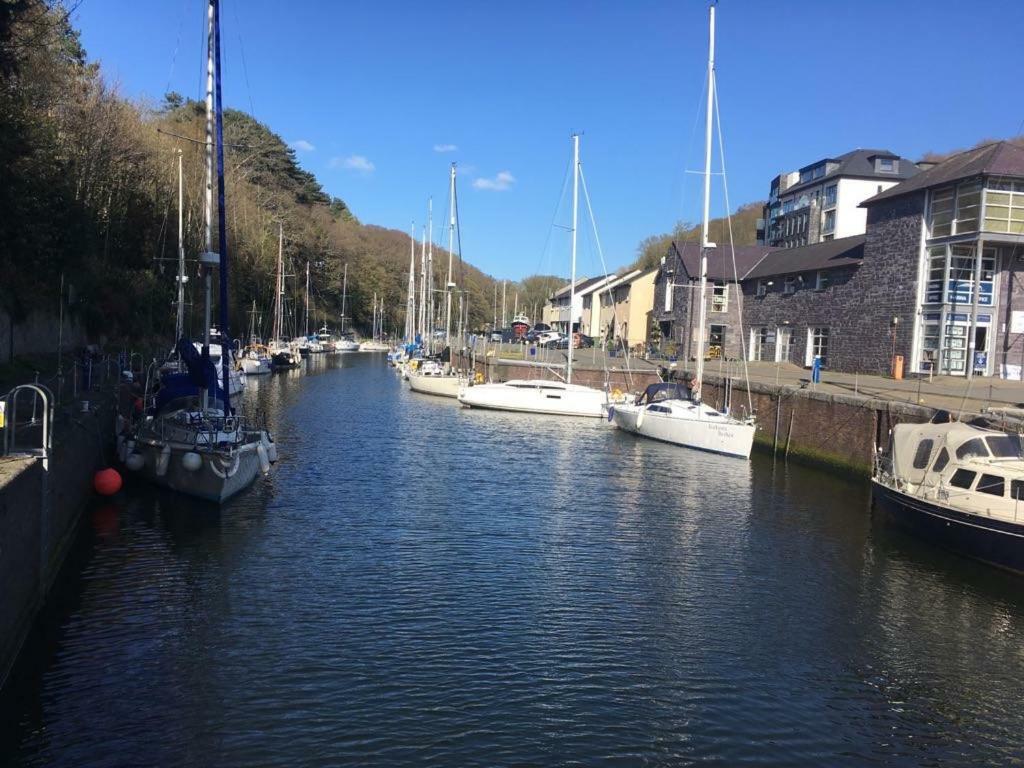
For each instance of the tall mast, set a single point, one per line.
(504, 285)
(430, 272)
(410, 301)
(423, 288)
(279, 285)
(307, 298)
(179, 326)
(344, 296)
(451, 247)
(705, 244)
(572, 276)
(222, 222)
(208, 258)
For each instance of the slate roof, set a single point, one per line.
(720, 260)
(998, 159)
(582, 284)
(858, 163)
(806, 258)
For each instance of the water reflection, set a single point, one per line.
(421, 583)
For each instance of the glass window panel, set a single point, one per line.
(1001, 225)
(962, 478)
(992, 484)
(997, 198)
(1015, 227)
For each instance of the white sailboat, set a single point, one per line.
(561, 398)
(254, 359)
(433, 377)
(376, 342)
(345, 341)
(283, 356)
(675, 413)
(189, 438)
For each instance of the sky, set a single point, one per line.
(378, 98)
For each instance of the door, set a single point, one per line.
(785, 344)
(981, 350)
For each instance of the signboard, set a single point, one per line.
(1012, 372)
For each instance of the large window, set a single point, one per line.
(1004, 207)
(830, 221)
(955, 210)
(818, 344)
(830, 195)
(716, 341)
(720, 296)
(956, 286)
(789, 284)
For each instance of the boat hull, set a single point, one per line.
(442, 386)
(728, 438)
(255, 367)
(996, 542)
(221, 475)
(541, 397)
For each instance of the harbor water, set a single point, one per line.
(421, 584)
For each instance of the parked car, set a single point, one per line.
(582, 342)
(548, 338)
(541, 327)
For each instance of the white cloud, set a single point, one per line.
(504, 180)
(302, 145)
(445, 147)
(353, 163)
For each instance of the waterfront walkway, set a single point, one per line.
(946, 392)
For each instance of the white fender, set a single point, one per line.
(192, 461)
(135, 461)
(639, 418)
(122, 448)
(163, 461)
(264, 459)
(271, 447)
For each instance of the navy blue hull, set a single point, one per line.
(994, 541)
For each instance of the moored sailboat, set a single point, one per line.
(677, 414)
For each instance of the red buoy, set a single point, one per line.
(107, 481)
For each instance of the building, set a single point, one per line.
(676, 284)
(557, 311)
(626, 305)
(937, 278)
(821, 201)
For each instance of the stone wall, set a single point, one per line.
(39, 514)
(860, 303)
(37, 334)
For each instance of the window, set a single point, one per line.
(1004, 446)
(805, 176)
(924, 451)
(992, 484)
(818, 346)
(787, 205)
(1017, 489)
(831, 194)
(1004, 207)
(830, 221)
(716, 341)
(669, 294)
(972, 449)
(968, 207)
(818, 172)
(941, 461)
(962, 478)
(821, 280)
(887, 165)
(789, 285)
(762, 288)
(719, 296)
(941, 212)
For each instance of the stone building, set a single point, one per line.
(936, 278)
(675, 310)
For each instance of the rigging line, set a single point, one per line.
(551, 227)
(245, 69)
(177, 47)
(732, 249)
(604, 271)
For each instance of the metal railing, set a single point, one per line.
(40, 418)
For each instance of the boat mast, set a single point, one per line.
(451, 247)
(209, 258)
(222, 224)
(279, 284)
(344, 295)
(430, 272)
(179, 327)
(423, 287)
(572, 276)
(410, 302)
(307, 298)
(705, 244)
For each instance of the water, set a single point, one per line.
(419, 584)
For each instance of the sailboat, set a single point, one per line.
(376, 342)
(345, 341)
(436, 377)
(561, 398)
(188, 437)
(283, 356)
(254, 359)
(674, 412)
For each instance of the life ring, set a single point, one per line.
(223, 473)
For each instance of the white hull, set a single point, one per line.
(546, 397)
(373, 346)
(346, 346)
(686, 424)
(255, 367)
(221, 476)
(442, 386)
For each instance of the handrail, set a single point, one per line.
(10, 430)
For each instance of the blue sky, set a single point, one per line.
(379, 97)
